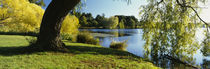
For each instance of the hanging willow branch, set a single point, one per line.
(160, 2)
(187, 6)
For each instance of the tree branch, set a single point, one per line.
(160, 2)
(3, 20)
(178, 60)
(184, 5)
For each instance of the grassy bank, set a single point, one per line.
(81, 56)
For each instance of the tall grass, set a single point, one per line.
(86, 37)
(119, 45)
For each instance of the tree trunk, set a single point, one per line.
(49, 35)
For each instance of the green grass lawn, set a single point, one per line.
(80, 56)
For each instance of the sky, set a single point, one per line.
(120, 7)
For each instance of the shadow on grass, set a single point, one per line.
(19, 33)
(12, 51)
(97, 51)
(23, 50)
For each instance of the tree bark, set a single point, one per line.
(49, 35)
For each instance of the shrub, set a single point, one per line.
(85, 37)
(70, 25)
(119, 45)
(69, 37)
(31, 40)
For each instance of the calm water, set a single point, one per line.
(136, 43)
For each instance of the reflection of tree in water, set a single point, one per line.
(122, 32)
(169, 31)
(206, 52)
(206, 64)
(164, 45)
(206, 46)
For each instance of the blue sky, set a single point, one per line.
(111, 7)
(120, 7)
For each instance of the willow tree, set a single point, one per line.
(169, 28)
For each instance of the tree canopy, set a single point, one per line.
(129, 21)
(169, 28)
(23, 16)
(110, 23)
(20, 15)
(88, 21)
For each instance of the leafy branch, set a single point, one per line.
(187, 6)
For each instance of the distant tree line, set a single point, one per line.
(128, 22)
(86, 20)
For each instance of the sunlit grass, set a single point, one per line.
(80, 56)
(12, 40)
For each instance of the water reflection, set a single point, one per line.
(206, 64)
(158, 56)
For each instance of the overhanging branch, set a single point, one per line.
(187, 6)
(160, 2)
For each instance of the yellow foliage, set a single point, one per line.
(70, 25)
(24, 16)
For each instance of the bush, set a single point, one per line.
(69, 37)
(85, 37)
(31, 40)
(119, 45)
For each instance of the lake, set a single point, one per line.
(136, 43)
